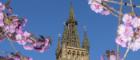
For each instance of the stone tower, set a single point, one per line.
(69, 47)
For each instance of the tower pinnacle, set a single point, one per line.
(85, 41)
(58, 45)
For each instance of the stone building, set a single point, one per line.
(69, 47)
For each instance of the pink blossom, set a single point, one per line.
(10, 28)
(127, 19)
(26, 34)
(125, 35)
(126, 31)
(98, 8)
(47, 42)
(41, 45)
(129, 31)
(19, 37)
(106, 12)
(120, 40)
(135, 45)
(136, 22)
(2, 7)
(22, 38)
(14, 31)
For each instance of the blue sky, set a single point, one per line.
(47, 17)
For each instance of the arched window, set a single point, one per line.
(73, 53)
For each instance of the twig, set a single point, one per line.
(110, 9)
(119, 22)
(128, 4)
(126, 53)
(132, 8)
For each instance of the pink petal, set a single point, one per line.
(21, 42)
(1, 23)
(11, 28)
(120, 41)
(18, 37)
(47, 42)
(26, 34)
(105, 12)
(136, 22)
(28, 47)
(19, 31)
(96, 7)
(128, 31)
(1, 16)
(127, 19)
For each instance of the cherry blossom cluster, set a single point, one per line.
(15, 56)
(129, 32)
(96, 6)
(11, 27)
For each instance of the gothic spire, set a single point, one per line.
(71, 16)
(85, 41)
(71, 12)
(70, 34)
